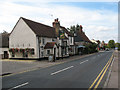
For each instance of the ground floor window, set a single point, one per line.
(5, 54)
(42, 54)
(25, 54)
(13, 54)
(48, 52)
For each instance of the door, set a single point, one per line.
(5, 55)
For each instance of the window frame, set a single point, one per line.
(47, 52)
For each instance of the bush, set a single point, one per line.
(90, 48)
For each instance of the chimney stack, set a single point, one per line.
(81, 28)
(56, 25)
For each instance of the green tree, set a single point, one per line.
(74, 28)
(117, 45)
(90, 48)
(111, 44)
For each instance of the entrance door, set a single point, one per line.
(5, 55)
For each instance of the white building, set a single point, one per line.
(30, 39)
(94, 41)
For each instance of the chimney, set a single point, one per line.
(81, 28)
(56, 25)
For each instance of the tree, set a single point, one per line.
(111, 44)
(117, 45)
(90, 48)
(74, 28)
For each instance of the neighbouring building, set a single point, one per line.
(30, 39)
(80, 40)
(4, 45)
(102, 45)
(94, 41)
(65, 39)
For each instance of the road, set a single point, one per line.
(80, 73)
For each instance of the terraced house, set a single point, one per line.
(30, 39)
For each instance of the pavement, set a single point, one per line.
(10, 66)
(112, 79)
(88, 72)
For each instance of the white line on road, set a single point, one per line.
(62, 70)
(19, 86)
(83, 61)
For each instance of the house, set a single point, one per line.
(80, 40)
(33, 40)
(65, 39)
(28, 38)
(4, 45)
(71, 45)
(94, 41)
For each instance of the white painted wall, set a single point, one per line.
(71, 43)
(22, 37)
(46, 39)
(2, 50)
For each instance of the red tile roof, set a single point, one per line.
(49, 45)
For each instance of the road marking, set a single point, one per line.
(62, 70)
(106, 82)
(101, 74)
(19, 86)
(44, 67)
(83, 61)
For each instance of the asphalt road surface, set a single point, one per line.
(80, 73)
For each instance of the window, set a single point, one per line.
(65, 43)
(13, 54)
(53, 39)
(41, 53)
(48, 52)
(71, 39)
(29, 44)
(43, 41)
(32, 51)
(42, 48)
(25, 54)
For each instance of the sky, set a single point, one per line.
(99, 19)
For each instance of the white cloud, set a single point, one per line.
(95, 23)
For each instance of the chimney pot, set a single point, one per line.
(57, 19)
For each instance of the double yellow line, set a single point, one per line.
(97, 81)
